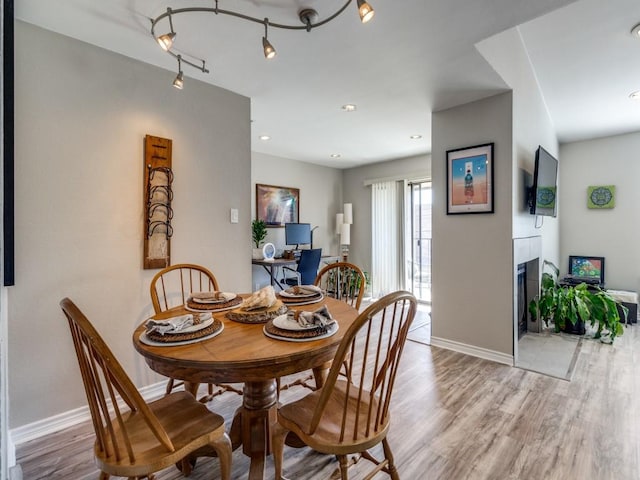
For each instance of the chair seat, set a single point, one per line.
(188, 423)
(296, 417)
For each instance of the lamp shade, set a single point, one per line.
(345, 234)
(339, 222)
(348, 213)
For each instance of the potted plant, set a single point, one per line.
(569, 307)
(258, 234)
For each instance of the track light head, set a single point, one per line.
(365, 10)
(166, 41)
(269, 51)
(179, 81)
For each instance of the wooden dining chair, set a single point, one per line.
(349, 415)
(344, 281)
(170, 288)
(135, 439)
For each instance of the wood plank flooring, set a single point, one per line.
(454, 417)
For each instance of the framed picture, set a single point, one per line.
(601, 196)
(470, 179)
(277, 205)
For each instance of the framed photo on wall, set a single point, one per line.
(277, 205)
(470, 179)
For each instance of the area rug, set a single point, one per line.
(552, 354)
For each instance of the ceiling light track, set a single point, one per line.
(308, 17)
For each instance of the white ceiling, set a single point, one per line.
(414, 57)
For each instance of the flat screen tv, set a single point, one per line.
(543, 193)
(297, 234)
(586, 268)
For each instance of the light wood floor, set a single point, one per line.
(455, 417)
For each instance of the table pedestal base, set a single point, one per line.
(251, 424)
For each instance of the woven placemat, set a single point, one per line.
(212, 307)
(259, 315)
(307, 333)
(181, 337)
(306, 299)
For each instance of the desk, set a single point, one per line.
(242, 353)
(271, 266)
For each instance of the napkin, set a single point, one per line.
(204, 297)
(318, 318)
(174, 324)
(263, 298)
(303, 289)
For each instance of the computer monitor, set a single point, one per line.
(587, 267)
(297, 234)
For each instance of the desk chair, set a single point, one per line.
(307, 268)
(170, 288)
(351, 415)
(137, 438)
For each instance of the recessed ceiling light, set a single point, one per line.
(349, 107)
(335, 155)
(635, 95)
(415, 137)
(264, 137)
(635, 31)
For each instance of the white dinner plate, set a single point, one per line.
(193, 328)
(304, 301)
(147, 341)
(333, 328)
(286, 294)
(286, 323)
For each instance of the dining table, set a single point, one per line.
(243, 353)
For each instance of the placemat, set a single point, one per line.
(212, 307)
(169, 338)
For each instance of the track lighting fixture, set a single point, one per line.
(179, 80)
(308, 17)
(166, 41)
(269, 51)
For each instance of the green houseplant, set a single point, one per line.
(258, 232)
(568, 305)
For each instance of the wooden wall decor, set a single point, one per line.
(158, 194)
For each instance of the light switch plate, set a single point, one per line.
(234, 215)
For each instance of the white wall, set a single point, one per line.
(611, 233)
(356, 192)
(532, 127)
(320, 200)
(472, 254)
(81, 117)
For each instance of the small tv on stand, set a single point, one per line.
(297, 234)
(587, 269)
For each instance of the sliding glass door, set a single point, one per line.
(418, 271)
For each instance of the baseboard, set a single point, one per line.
(474, 351)
(46, 426)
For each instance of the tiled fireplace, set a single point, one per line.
(526, 284)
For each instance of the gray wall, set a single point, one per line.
(356, 192)
(611, 233)
(471, 265)
(81, 117)
(320, 200)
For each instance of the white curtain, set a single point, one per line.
(387, 248)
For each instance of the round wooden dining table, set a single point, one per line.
(242, 353)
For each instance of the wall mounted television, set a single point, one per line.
(297, 234)
(586, 268)
(542, 198)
